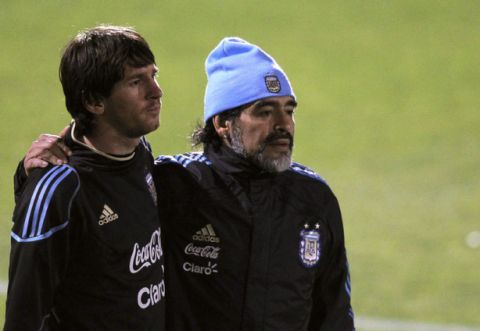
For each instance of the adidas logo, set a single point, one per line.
(206, 234)
(107, 215)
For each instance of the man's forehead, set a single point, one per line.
(133, 71)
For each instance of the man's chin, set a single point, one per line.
(274, 164)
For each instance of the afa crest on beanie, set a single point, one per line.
(239, 73)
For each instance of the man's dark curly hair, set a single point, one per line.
(207, 136)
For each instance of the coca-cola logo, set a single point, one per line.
(208, 252)
(145, 256)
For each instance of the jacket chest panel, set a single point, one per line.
(288, 234)
(206, 239)
(115, 222)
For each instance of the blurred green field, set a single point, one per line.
(389, 96)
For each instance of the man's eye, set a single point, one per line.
(264, 112)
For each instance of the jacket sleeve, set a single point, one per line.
(19, 180)
(40, 245)
(332, 292)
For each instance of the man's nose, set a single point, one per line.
(283, 121)
(156, 91)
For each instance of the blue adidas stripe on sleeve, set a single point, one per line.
(183, 159)
(34, 222)
(303, 170)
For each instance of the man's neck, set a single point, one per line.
(111, 142)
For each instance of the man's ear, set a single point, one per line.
(94, 105)
(223, 129)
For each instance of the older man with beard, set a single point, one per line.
(253, 241)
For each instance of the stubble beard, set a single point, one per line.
(258, 156)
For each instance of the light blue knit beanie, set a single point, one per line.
(239, 73)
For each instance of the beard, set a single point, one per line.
(258, 156)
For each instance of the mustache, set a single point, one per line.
(279, 135)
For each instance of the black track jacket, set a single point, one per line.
(86, 251)
(248, 250)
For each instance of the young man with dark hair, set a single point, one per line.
(86, 250)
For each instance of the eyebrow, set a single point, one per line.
(292, 103)
(263, 103)
(141, 73)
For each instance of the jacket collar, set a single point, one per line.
(228, 161)
(93, 158)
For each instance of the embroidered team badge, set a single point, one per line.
(310, 248)
(272, 83)
(151, 187)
